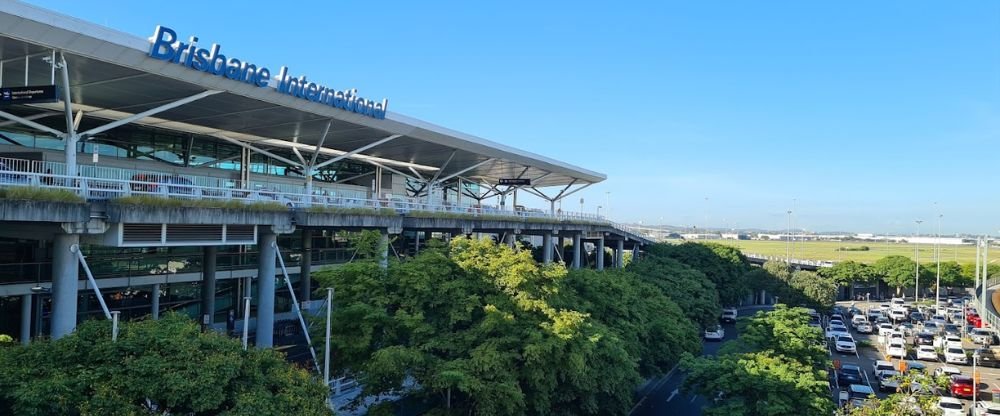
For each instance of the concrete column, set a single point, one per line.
(620, 254)
(416, 242)
(65, 277)
(600, 253)
(577, 250)
(383, 242)
(208, 283)
(25, 319)
(508, 239)
(265, 289)
(547, 248)
(154, 297)
(305, 269)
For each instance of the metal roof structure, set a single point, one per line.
(112, 77)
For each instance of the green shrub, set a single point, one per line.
(319, 209)
(161, 202)
(26, 193)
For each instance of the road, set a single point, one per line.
(664, 397)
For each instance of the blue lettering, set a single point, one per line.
(233, 69)
(283, 80)
(163, 43)
(201, 60)
(263, 76)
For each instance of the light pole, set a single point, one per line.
(916, 255)
(788, 238)
(607, 202)
(937, 256)
(599, 211)
(581, 205)
(975, 380)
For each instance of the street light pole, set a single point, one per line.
(788, 237)
(937, 255)
(916, 255)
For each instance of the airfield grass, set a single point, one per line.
(827, 250)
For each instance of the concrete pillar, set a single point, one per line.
(508, 239)
(305, 268)
(600, 253)
(577, 250)
(154, 300)
(416, 242)
(383, 243)
(25, 319)
(620, 254)
(546, 248)
(65, 277)
(265, 289)
(208, 283)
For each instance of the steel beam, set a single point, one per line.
(256, 149)
(356, 151)
(32, 124)
(147, 113)
(490, 160)
(319, 145)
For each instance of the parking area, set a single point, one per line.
(870, 348)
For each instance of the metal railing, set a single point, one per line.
(815, 263)
(991, 318)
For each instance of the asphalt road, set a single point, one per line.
(664, 397)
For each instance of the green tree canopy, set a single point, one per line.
(847, 272)
(896, 271)
(724, 265)
(697, 296)
(166, 366)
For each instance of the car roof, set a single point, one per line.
(850, 366)
(860, 388)
(883, 362)
(950, 400)
(961, 378)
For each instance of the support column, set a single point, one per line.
(65, 278)
(620, 254)
(508, 239)
(600, 253)
(547, 248)
(154, 297)
(208, 284)
(577, 250)
(305, 268)
(383, 243)
(265, 289)
(25, 319)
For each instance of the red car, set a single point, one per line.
(976, 321)
(961, 386)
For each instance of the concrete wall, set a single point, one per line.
(43, 211)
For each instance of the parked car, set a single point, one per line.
(896, 349)
(885, 328)
(960, 386)
(916, 317)
(932, 327)
(984, 408)
(157, 183)
(849, 374)
(951, 406)
(715, 334)
(953, 355)
(988, 357)
(952, 329)
(923, 338)
(863, 328)
(983, 336)
(927, 352)
(857, 395)
(897, 314)
(888, 380)
(845, 344)
(832, 332)
(906, 328)
(947, 371)
(882, 365)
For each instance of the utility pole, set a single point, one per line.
(916, 255)
(788, 239)
(937, 256)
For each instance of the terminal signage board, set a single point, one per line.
(28, 94)
(167, 45)
(514, 182)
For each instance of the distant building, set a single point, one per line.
(735, 236)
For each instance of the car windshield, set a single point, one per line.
(950, 405)
(956, 351)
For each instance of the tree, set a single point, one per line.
(846, 273)
(775, 368)
(167, 366)
(952, 276)
(911, 399)
(896, 271)
(724, 265)
(818, 292)
(697, 296)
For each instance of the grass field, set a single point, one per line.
(827, 250)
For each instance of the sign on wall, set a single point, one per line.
(28, 94)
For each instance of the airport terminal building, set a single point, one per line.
(147, 174)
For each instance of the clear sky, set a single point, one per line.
(861, 114)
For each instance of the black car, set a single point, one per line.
(915, 367)
(849, 374)
(988, 357)
(952, 329)
(923, 338)
(916, 317)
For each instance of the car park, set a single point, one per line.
(950, 406)
(953, 355)
(927, 352)
(888, 380)
(845, 344)
(896, 349)
(960, 386)
(715, 334)
(849, 374)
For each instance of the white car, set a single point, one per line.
(894, 336)
(887, 380)
(845, 344)
(897, 349)
(897, 315)
(882, 365)
(715, 334)
(984, 408)
(729, 315)
(832, 332)
(952, 341)
(947, 371)
(954, 355)
(927, 352)
(884, 329)
(951, 406)
(863, 328)
(982, 336)
(858, 319)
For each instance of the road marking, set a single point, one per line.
(672, 394)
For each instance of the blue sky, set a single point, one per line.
(860, 114)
